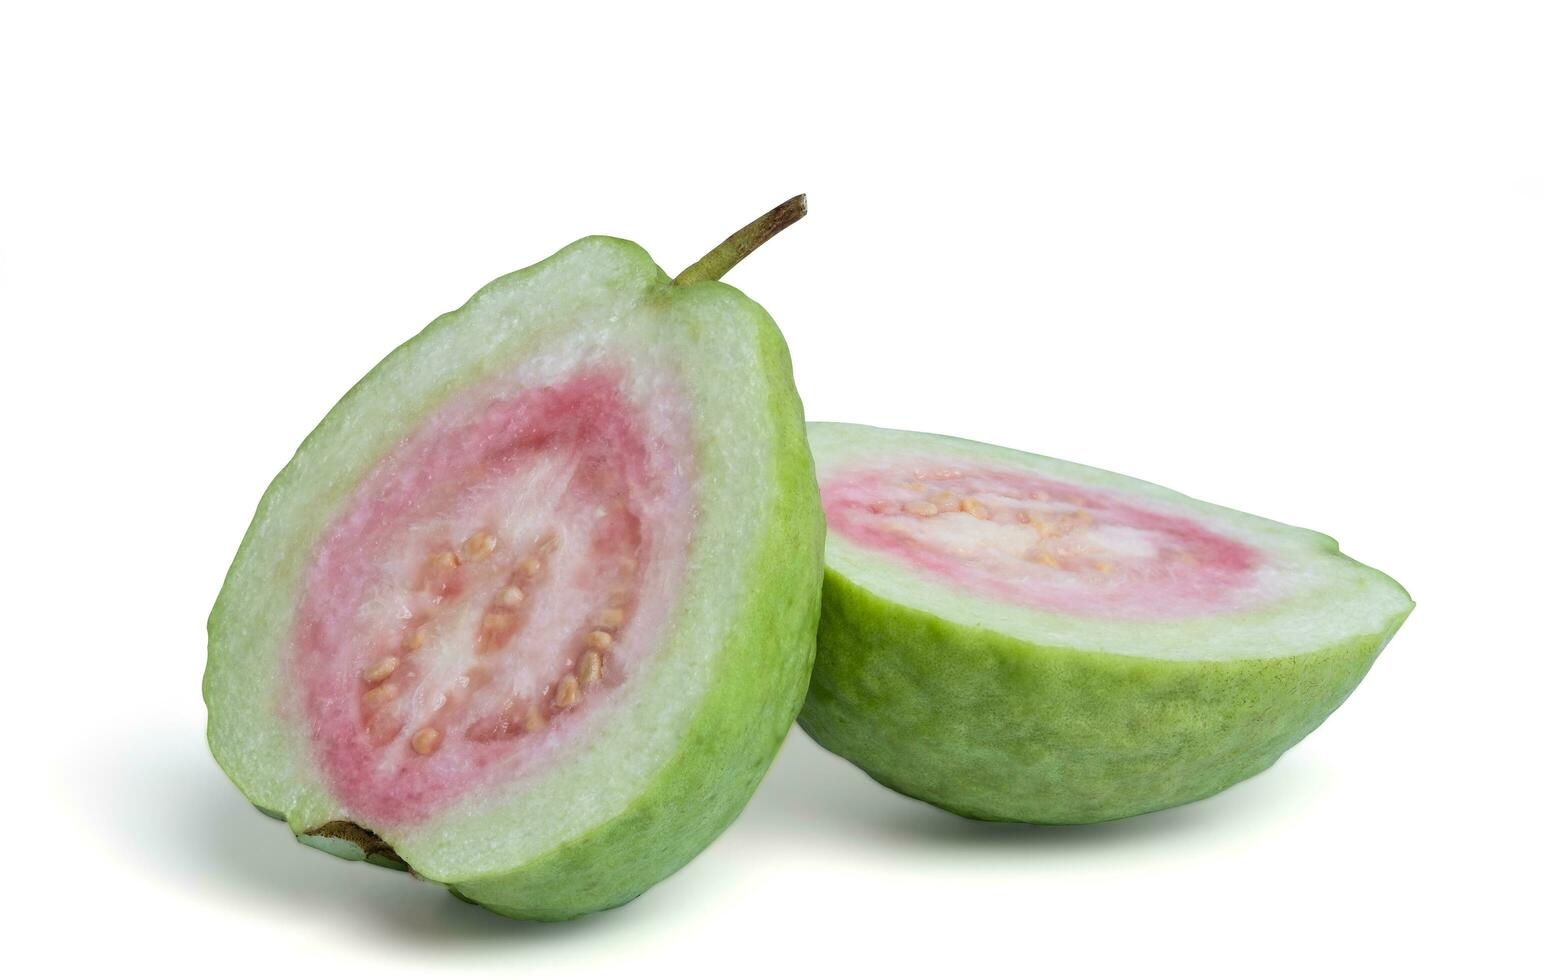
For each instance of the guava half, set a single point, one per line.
(531, 610)
(1018, 638)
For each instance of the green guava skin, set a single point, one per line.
(995, 728)
(759, 676)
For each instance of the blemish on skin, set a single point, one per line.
(535, 721)
(598, 640)
(921, 508)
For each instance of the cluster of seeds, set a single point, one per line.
(1034, 540)
(445, 576)
(1057, 523)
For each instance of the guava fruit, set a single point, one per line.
(531, 610)
(1017, 638)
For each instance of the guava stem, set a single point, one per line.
(743, 242)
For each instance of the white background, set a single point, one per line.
(1286, 257)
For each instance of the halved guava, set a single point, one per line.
(531, 610)
(1018, 638)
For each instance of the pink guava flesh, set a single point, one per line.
(489, 586)
(1038, 542)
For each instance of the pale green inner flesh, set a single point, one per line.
(1309, 596)
(600, 298)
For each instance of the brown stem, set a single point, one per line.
(743, 242)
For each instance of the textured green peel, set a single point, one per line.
(993, 722)
(999, 729)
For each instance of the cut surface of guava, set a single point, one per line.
(491, 583)
(531, 610)
(1022, 638)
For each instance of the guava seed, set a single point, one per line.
(380, 670)
(425, 741)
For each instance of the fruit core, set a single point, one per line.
(1039, 542)
(490, 584)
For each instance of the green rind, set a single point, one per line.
(759, 675)
(760, 680)
(997, 728)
